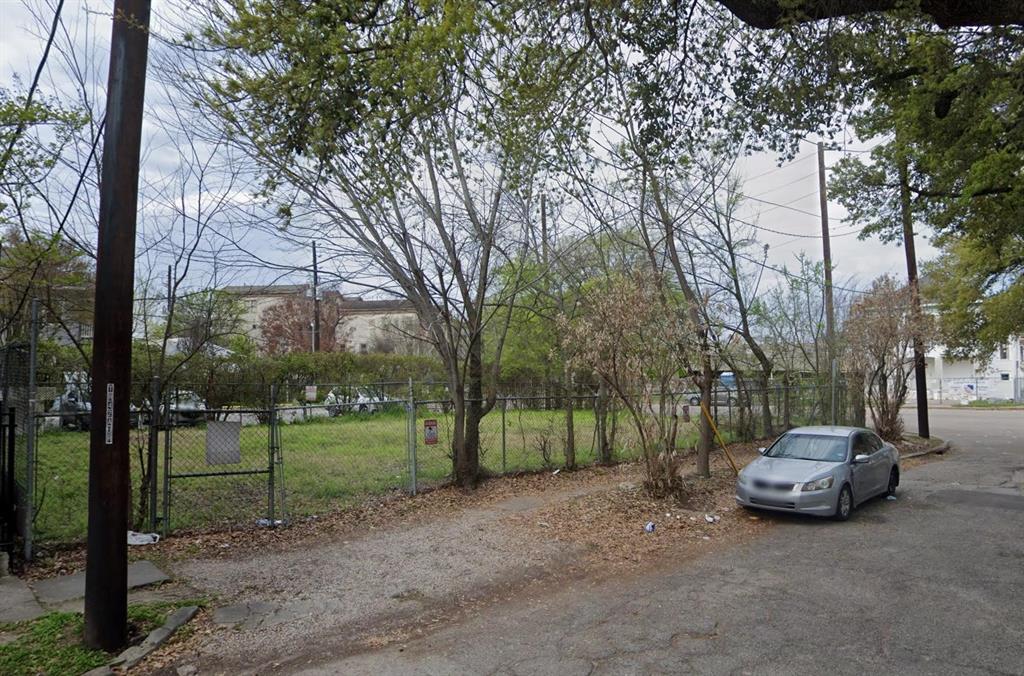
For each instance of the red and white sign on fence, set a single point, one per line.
(430, 432)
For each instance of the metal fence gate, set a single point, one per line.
(220, 469)
(17, 399)
(8, 500)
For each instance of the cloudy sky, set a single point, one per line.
(780, 198)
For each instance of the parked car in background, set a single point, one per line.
(74, 407)
(186, 408)
(723, 393)
(356, 401)
(825, 471)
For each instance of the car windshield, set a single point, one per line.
(809, 447)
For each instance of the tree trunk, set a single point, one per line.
(787, 416)
(467, 453)
(766, 405)
(856, 394)
(601, 415)
(570, 432)
(706, 434)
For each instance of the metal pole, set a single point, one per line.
(30, 435)
(271, 440)
(164, 419)
(504, 406)
(835, 369)
(316, 302)
(106, 576)
(154, 441)
(411, 436)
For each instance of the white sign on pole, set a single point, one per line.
(109, 426)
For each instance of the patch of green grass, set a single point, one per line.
(50, 645)
(329, 463)
(53, 644)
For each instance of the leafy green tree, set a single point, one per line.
(413, 133)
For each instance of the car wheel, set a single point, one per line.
(694, 401)
(844, 504)
(894, 481)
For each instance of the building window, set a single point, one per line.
(362, 348)
(1004, 352)
(1004, 376)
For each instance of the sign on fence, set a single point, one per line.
(310, 392)
(430, 432)
(223, 442)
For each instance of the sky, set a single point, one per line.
(781, 198)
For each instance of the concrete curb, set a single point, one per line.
(940, 449)
(132, 656)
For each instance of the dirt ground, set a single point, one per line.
(399, 567)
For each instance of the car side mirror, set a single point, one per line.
(860, 459)
(762, 450)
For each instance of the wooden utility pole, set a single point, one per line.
(826, 249)
(106, 573)
(906, 218)
(316, 302)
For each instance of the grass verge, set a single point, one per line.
(53, 644)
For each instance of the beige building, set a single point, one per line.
(364, 325)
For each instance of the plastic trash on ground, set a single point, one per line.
(266, 523)
(649, 527)
(891, 498)
(712, 518)
(143, 538)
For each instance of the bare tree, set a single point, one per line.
(634, 340)
(880, 333)
(287, 326)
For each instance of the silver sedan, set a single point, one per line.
(825, 471)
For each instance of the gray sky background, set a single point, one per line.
(781, 198)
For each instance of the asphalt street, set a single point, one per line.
(932, 583)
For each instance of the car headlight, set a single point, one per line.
(819, 485)
(743, 478)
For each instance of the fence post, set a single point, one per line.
(504, 406)
(163, 417)
(154, 440)
(271, 442)
(30, 435)
(7, 462)
(411, 437)
(835, 367)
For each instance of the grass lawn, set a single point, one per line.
(52, 644)
(328, 463)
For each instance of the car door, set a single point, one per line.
(880, 464)
(863, 476)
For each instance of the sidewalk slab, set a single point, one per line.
(68, 587)
(16, 601)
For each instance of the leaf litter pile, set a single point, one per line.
(610, 523)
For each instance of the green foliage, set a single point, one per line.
(51, 645)
(49, 268)
(35, 134)
(949, 104)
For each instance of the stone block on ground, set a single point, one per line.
(68, 587)
(17, 603)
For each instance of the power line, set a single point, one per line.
(788, 183)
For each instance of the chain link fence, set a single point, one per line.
(320, 448)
